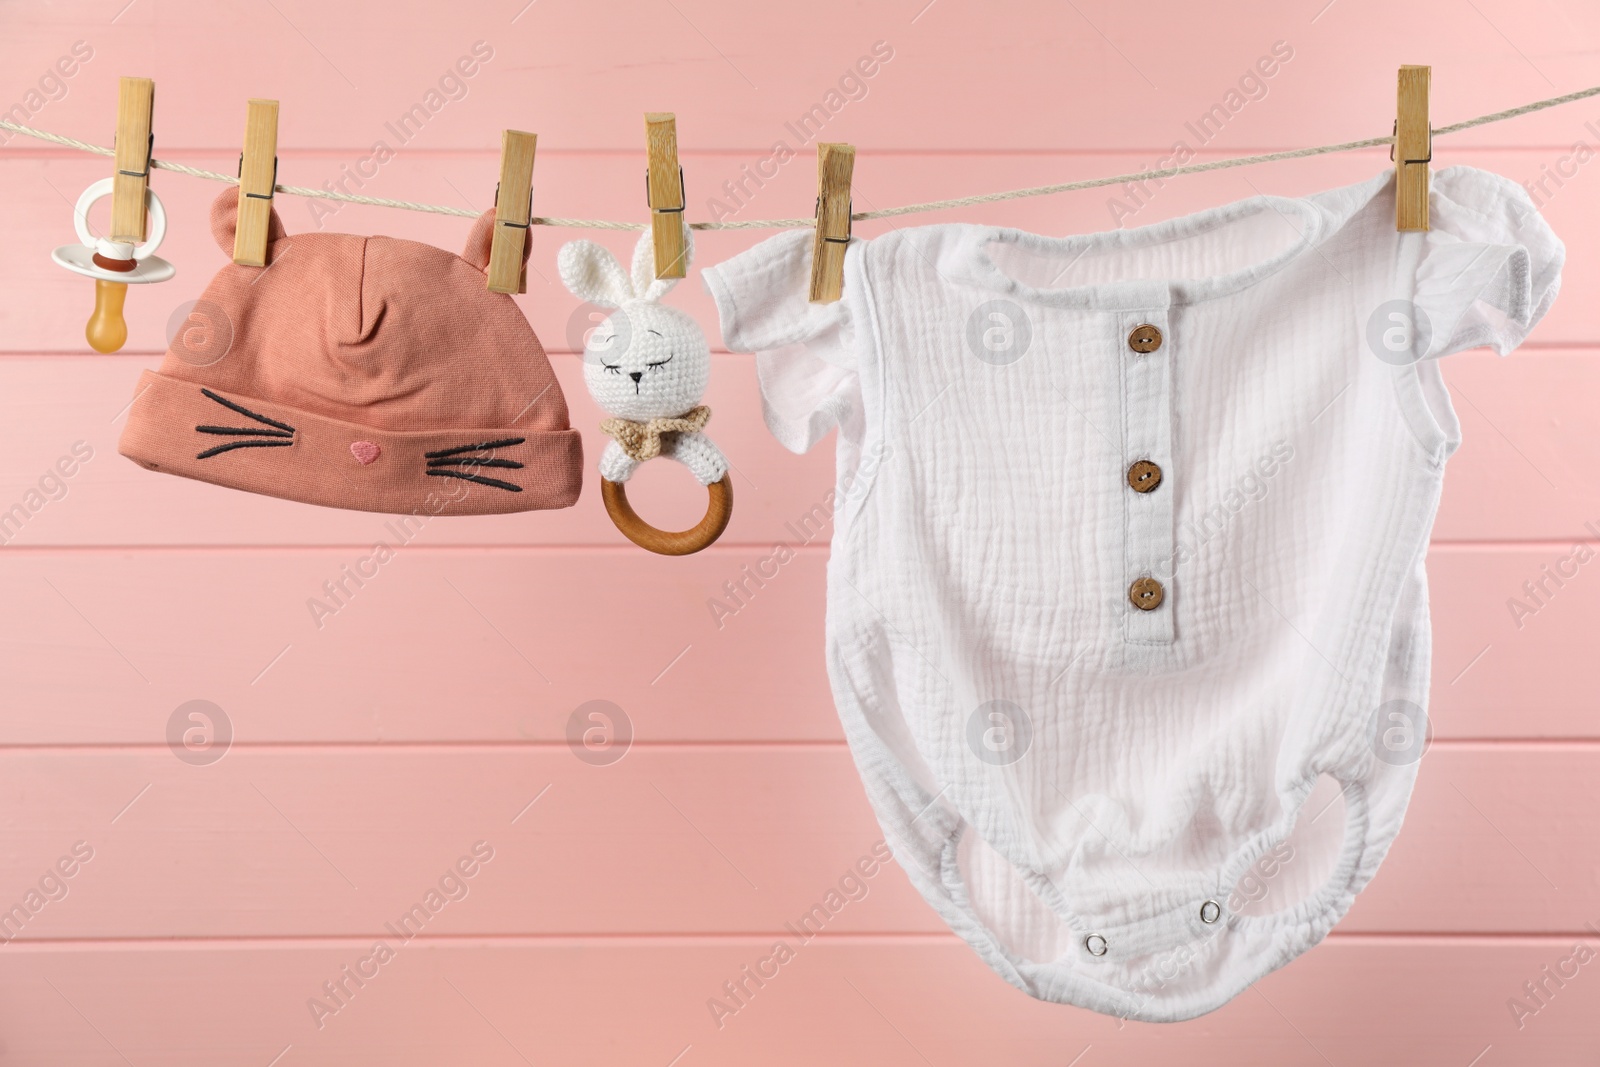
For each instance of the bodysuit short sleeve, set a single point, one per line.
(1490, 267)
(805, 359)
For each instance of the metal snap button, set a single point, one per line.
(1146, 594)
(1143, 476)
(1144, 338)
(1210, 912)
(1096, 945)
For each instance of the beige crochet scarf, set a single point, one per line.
(642, 440)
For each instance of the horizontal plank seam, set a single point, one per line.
(1554, 744)
(189, 942)
(220, 152)
(428, 745)
(1577, 348)
(724, 546)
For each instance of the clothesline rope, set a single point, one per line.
(859, 216)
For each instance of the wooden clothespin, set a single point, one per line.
(136, 101)
(1412, 150)
(513, 213)
(258, 179)
(835, 165)
(664, 194)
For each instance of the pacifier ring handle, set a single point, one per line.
(719, 509)
(102, 189)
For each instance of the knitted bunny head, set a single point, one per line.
(646, 360)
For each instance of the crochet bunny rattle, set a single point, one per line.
(647, 366)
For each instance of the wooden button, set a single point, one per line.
(1143, 476)
(1146, 594)
(1144, 339)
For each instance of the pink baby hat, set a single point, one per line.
(366, 373)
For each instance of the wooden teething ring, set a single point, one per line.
(719, 509)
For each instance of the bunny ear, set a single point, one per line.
(593, 274)
(645, 283)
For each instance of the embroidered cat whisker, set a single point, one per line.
(473, 463)
(495, 482)
(243, 431)
(208, 453)
(246, 412)
(485, 446)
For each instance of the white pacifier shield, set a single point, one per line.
(79, 258)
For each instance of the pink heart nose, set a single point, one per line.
(365, 452)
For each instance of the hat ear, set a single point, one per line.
(593, 274)
(225, 221)
(480, 242)
(645, 283)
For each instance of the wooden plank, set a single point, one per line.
(48, 404)
(1254, 83)
(258, 173)
(1522, 471)
(298, 645)
(1522, 474)
(136, 101)
(111, 642)
(1506, 658)
(513, 207)
(304, 840)
(897, 1004)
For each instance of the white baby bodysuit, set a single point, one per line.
(1128, 554)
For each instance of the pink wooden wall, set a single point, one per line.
(429, 716)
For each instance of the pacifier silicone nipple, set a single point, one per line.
(107, 331)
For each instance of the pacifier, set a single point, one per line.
(114, 265)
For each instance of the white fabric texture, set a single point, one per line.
(1111, 804)
(646, 360)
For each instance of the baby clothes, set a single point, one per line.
(366, 373)
(1128, 557)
